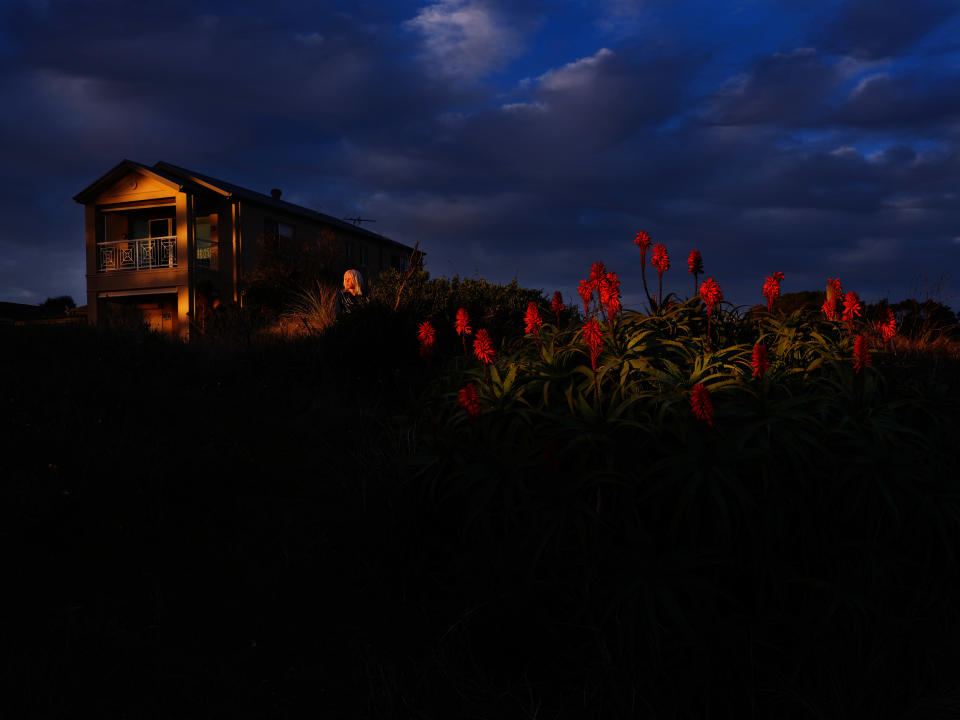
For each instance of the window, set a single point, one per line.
(277, 236)
(206, 245)
(271, 235)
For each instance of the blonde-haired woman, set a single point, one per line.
(351, 294)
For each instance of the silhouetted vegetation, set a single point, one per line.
(266, 527)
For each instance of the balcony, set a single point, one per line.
(142, 254)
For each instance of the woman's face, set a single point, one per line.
(350, 285)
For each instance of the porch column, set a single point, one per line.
(183, 311)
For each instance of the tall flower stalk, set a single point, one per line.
(771, 289)
(861, 354)
(851, 308)
(593, 336)
(469, 400)
(462, 326)
(660, 260)
(586, 294)
(695, 267)
(759, 360)
(483, 349)
(642, 241)
(712, 295)
(701, 405)
(532, 322)
(427, 337)
(834, 294)
(556, 306)
(887, 327)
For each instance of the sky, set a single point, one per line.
(518, 139)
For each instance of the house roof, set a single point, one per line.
(122, 168)
(182, 179)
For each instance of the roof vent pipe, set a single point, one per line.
(276, 193)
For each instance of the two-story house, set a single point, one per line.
(163, 243)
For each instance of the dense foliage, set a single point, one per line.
(428, 513)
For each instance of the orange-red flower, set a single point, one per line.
(462, 322)
(556, 305)
(711, 294)
(771, 288)
(532, 320)
(834, 294)
(586, 294)
(610, 293)
(427, 337)
(594, 339)
(598, 272)
(887, 327)
(829, 309)
(695, 262)
(469, 400)
(660, 260)
(483, 347)
(834, 289)
(642, 241)
(759, 360)
(861, 354)
(851, 307)
(701, 405)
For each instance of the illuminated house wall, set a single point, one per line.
(164, 244)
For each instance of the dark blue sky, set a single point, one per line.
(521, 139)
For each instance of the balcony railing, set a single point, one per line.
(144, 254)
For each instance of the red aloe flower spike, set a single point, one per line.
(701, 405)
(861, 354)
(610, 294)
(711, 294)
(427, 337)
(532, 320)
(469, 400)
(661, 261)
(586, 294)
(597, 273)
(695, 266)
(834, 289)
(759, 360)
(829, 309)
(462, 322)
(594, 339)
(834, 294)
(642, 241)
(556, 305)
(483, 347)
(888, 326)
(462, 325)
(851, 307)
(771, 289)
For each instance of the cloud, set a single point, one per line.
(464, 38)
(869, 29)
(911, 98)
(574, 75)
(867, 252)
(788, 88)
(313, 39)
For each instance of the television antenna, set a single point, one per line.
(358, 220)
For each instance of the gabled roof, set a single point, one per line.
(182, 179)
(123, 168)
(235, 191)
